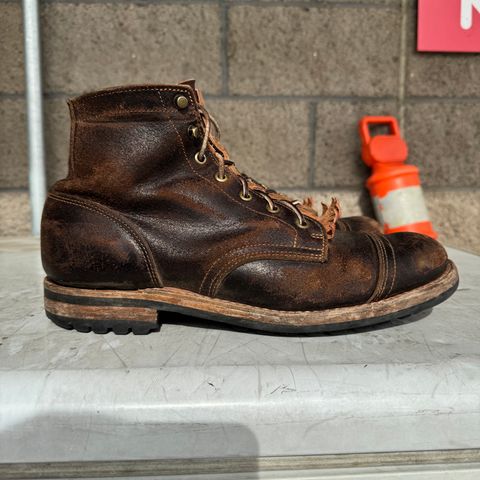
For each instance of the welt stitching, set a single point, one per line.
(225, 270)
(215, 186)
(122, 225)
(293, 313)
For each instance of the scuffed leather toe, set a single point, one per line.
(359, 224)
(418, 260)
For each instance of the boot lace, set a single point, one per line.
(301, 210)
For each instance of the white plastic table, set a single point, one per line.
(194, 392)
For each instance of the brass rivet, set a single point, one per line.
(181, 101)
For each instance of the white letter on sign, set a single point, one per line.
(466, 18)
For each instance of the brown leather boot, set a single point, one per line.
(154, 217)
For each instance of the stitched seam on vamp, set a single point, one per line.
(243, 247)
(248, 245)
(227, 268)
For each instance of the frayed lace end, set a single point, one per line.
(330, 214)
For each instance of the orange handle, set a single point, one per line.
(382, 149)
(366, 122)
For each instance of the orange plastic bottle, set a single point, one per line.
(395, 188)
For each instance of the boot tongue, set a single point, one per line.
(198, 94)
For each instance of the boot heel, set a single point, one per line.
(88, 312)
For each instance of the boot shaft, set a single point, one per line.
(125, 141)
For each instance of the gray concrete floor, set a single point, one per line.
(197, 390)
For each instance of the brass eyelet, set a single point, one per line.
(181, 101)
(199, 160)
(303, 225)
(275, 209)
(218, 178)
(246, 198)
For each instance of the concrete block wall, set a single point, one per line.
(288, 81)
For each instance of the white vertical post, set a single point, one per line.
(33, 86)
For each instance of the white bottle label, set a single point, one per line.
(400, 207)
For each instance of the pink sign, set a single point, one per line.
(449, 25)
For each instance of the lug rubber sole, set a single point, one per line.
(140, 311)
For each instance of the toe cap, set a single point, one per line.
(419, 260)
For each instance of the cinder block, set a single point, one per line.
(444, 141)
(90, 46)
(14, 214)
(13, 156)
(338, 162)
(456, 217)
(11, 48)
(318, 50)
(268, 140)
(57, 138)
(439, 74)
